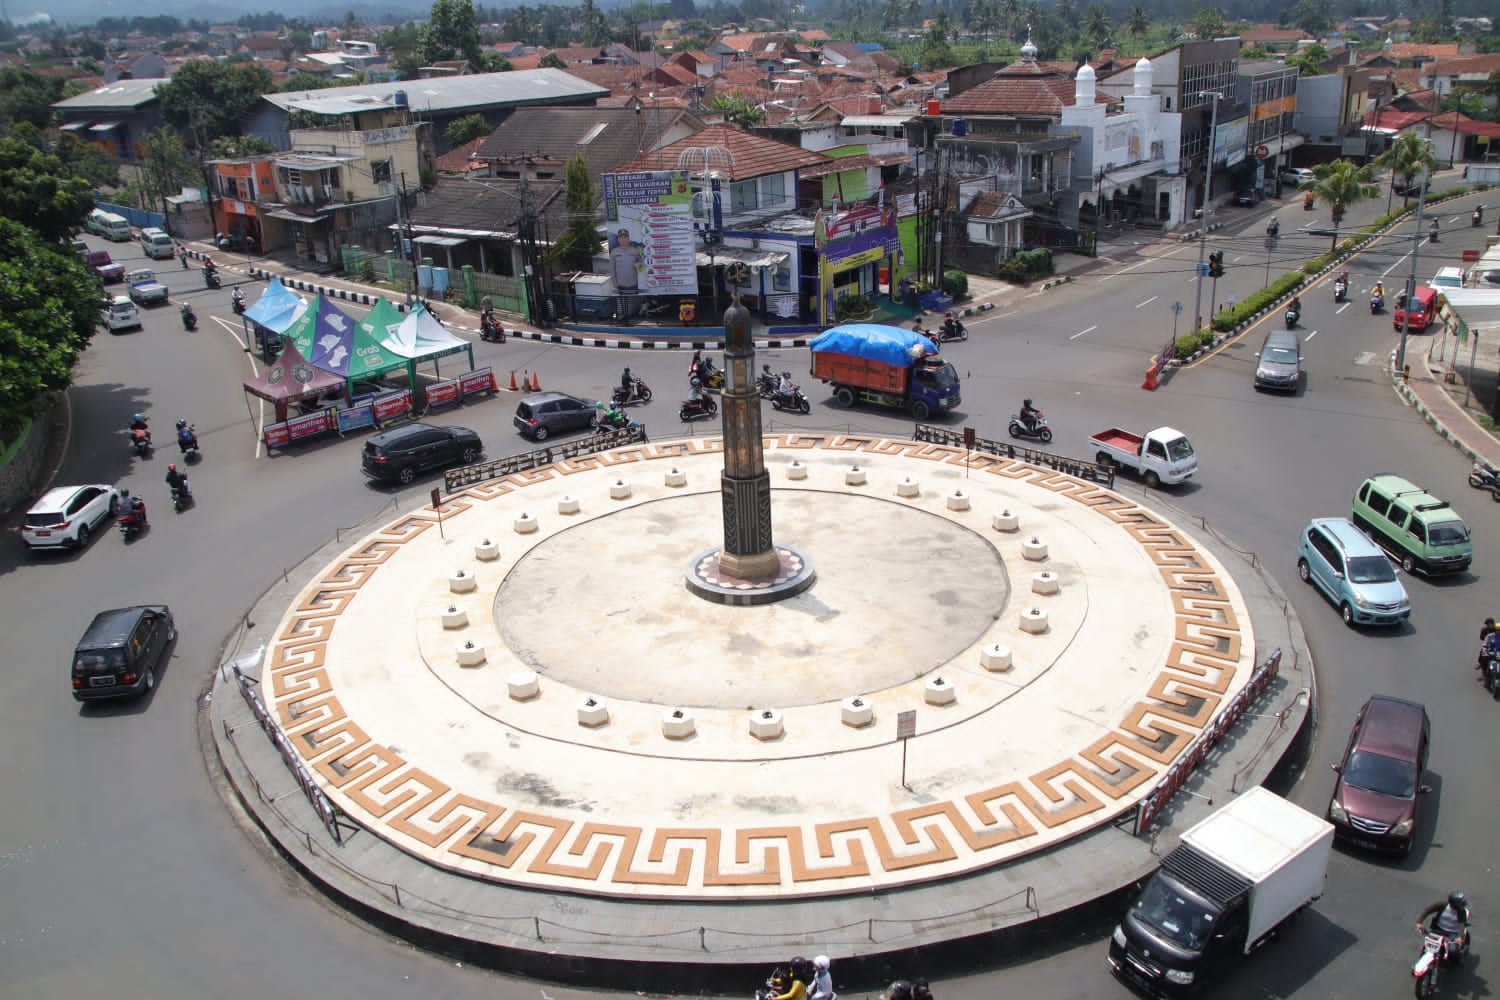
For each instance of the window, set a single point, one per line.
(380, 171)
(1378, 503)
(772, 189)
(742, 196)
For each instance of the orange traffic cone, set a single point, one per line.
(513, 386)
(536, 382)
(525, 380)
(1150, 382)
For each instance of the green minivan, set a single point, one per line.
(1420, 530)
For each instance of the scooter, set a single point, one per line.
(1477, 219)
(1377, 303)
(140, 441)
(1041, 432)
(612, 421)
(1292, 316)
(1340, 289)
(182, 255)
(1307, 202)
(237, 303)
(187, 441)
(1489, 666)
(182, 499)
(1432, 234)
(703, 406)
(189, 318)
(131, 518)
(766, 383)
(794, 401)
(211, 277)
(707, 378)
(639, 392)
(951, 329)
(1273, 229)
(1485, 477)
(490, 329)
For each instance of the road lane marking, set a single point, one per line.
(1147, 302)
(1080, 333)
(1310, 335)
(1341, 308)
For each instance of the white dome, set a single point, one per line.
(1086, 72)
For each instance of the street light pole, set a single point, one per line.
(1411, 283)
(1208, 177)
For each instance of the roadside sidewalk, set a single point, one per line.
(1452, 408)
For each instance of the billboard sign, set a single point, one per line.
(649, 233)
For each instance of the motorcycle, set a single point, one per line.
(703, 406)
(182, 498)
(766, 383)
(795, 401)
(1377, 303)
(140, 441)
(131, 518)
(611, 420)
(1432, 233)
(182, 255)
(1041, 432)
(1477, 219)
(238, 303)
(1438, 949)
(1485, 477)
(951, 329)
(1307, 202)
(1340, 289)
(189, 318)
(639, 392)
(211, 278)
(490, 329)
(1489, 666)
(1292, 316)
(187, 441)
(706, 377)
(1273, 229)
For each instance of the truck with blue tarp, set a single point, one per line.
(885, 366)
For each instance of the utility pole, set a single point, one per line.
(1208, 178)
(1411, 283)
(408, 249)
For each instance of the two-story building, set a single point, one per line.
(1330, 114)
(117, 117)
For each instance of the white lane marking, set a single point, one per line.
(1147, 302)
(1080, 333)
(1310, 335)
(1341, 308)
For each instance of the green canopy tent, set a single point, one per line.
(333, 341)
(417, 335)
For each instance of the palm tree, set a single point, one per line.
(1407, 157)
(1139, 21)
(1096, 24)
(1341, 185)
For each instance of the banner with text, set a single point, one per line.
(649, 232)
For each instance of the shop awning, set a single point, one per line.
(286, 215)
(753, 258)
(75, 126)
(103, 127)
(440, 241)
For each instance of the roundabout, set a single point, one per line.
(527, 694)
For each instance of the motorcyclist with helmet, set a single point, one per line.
(176, 481)
(187, 438)
(822, 981)
(626, 381)
(1489, 643)
(237, 299)
(799, 974)
(1450, 918)
(1029, 414)
(130, 509)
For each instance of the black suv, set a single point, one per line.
(398, 455)
(120, 652)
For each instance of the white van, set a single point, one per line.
(157, 244)
(1448, 277)
(121, 315)
(109, 225)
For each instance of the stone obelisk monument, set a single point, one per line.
(750, 568)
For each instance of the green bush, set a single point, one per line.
(956, 284)
(1256, 301)
(1027, 265)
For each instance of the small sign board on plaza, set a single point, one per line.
(906, 724)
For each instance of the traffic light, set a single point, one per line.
(1216, 264)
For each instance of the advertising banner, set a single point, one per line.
(309, 425)
(442, 393)
(649, 232)
(1230, 141)
(395, 404)
(478, 380)
(355, 417)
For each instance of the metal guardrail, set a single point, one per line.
(1104, 475)
(1151, 806)
(482, 472)
(327, 812)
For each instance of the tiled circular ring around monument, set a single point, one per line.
(1146, 636)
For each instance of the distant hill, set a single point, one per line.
(79, 13)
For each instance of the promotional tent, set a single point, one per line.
(335, 342)
(291, 377)
(277, 308)
(418, 335)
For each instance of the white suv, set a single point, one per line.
(1297, 176)
(65, 515)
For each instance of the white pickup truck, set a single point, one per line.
(1161, 456)
(145, 290)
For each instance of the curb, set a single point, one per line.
(1054, 282)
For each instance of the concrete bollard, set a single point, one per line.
(796, 470)
(525, 524)
(938, 691)
(766, 724)
(856, 712)
(1044, 582)
(909, 488)
(1006, 521)
(1034, 549)
(455, 617)
(677, 724)
(568, 505)
(470, 655)
(592, 712)
(486, 551)
(619, 490)
(958, 500)
(995, 658)
(1034, 621)
(675, 477)
(523, 685)
(855, 477)
(461, 582)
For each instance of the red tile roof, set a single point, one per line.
(1463, 123)
(989, 204)
(1397, 120)
(456, 161)
(1015, 90)
(750, 155)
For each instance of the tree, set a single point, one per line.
(1207, 22)
(552, 61)
(48, 312)
(209, 97)
(27, 97)
(1309, 61)
(1341, 185)
(451, 32)
(166, 167)
(36, 192)
(580, 242)
(81, 158)
(1138, 22)
(462, 130)
(737, 109)
(593, 26)
(237, 147)
(1407, 157)
(494, 62)
(1096, 24)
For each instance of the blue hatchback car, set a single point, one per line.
(1352, 572)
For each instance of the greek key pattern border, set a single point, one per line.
(506, 843)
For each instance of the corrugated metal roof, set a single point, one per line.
(120, 94)
(451, 93)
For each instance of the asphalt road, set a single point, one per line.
(122, 871)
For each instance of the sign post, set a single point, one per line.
(906, 728)
(437, 505)
(969, 439)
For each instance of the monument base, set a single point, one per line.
(709, 578)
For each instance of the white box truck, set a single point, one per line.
(1234, 879)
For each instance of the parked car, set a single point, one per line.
(1375, 800)
(1447, 277)
(1279, 365)
(543, 414)
(1352, 572)
(65, 516)
(1244, 198)
(1297, 176)
(398, 455)
(121, 652)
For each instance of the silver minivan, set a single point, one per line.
(157, 244)
(1279, 364)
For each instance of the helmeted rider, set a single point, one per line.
(626, 381)
(185, 437)
(1489, 643)
(138, 422)
(1451, 920)
(784, 386)
(1379, 289)
(1029, 414)
(951, 325)
(899, 990)
(798, 975)
(132, 506)
(822, 981)
(1295, 305)
(1273, 227)
(239, 298)
(176, 481)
